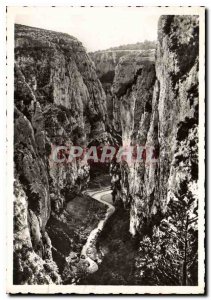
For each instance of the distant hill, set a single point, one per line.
(146, 45)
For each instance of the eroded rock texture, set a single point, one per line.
(58, 101)
(133, 89)
(152, 102)
(105, 63)
(158, 105)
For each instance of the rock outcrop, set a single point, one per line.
(152, 101)
(159, 109)
(105, 63)
(133, 90)
(58, 101)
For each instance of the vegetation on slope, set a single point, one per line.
(70, 230)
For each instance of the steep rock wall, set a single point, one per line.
(58, 101)
(166, 119)
(132, 88)
(105, 63)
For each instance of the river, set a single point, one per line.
(89, 251)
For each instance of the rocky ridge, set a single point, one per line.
(153, 102)
(105, 63)
(58, 101)
(158, 105)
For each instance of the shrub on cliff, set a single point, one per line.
(169, 256)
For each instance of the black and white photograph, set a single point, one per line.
(106, 150)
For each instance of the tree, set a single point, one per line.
(169, 256)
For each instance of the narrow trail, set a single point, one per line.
(89, 251)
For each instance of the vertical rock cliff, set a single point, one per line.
(58, 101)
(133, 89)
(158, 105)
(106, 61)
(151, 101)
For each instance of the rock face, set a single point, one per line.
(105, 63)
(152, 102)
(133, 90)
(58, 101)
(159, 109)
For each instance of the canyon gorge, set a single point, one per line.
(115, 223)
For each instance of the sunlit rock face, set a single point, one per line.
(133, 90)
(58, 101)
(105, 63)
(159, 108)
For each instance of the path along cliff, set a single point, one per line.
(89, 251)
(152, 102)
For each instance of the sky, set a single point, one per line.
(98, 28)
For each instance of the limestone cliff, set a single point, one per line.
(58, 101)
(159, 110)
(105, 63)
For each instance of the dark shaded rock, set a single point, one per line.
(159, 111)
(59, 101)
